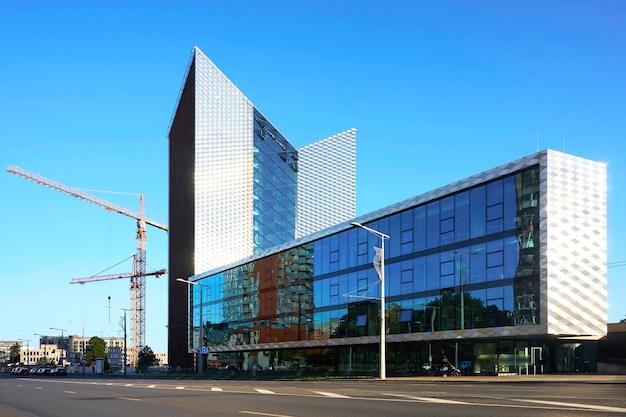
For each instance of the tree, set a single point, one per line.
(145, 358)
(15, 353)
(96, 348)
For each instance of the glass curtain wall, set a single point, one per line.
(468, 260)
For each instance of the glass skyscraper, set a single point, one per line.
(503, 272)
(238, 186)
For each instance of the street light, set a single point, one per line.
(62, 341)
(201, 327)
(124, 328)
(82, 349)
(379, 265)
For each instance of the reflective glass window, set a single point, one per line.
(325, 256)
(432, 271)
(342, 251)
(495, 192)
(407, 220)
(477, 210)
(495, 260)
(419, 275)
(478, 264)
(419, 227)
(393, 281)
(407, 277)
(508, 298)
(447, 268)
(334, 256)
(511, 257)
(362, 285)
(407, 241)
(317, 294)
(432, 224)
(446, 207)
(462, 216)
(317, 257)
(343, 285)
(510, 203)
(447, 225)
(394, 244)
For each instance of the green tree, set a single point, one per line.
(145, 358)
(15, 353)
(96, 348)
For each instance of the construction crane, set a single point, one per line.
(138, 276)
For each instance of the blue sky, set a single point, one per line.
(439, 90)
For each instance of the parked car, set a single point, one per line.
(59, 371)
(43, 371)
(32, 371)
(22, 370)
(19, 370)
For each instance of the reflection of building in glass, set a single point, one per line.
(237, 187)
(505, 270)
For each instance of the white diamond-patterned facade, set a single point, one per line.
(574, 255)
(327, 173)
(253, 189)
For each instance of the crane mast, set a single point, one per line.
(138, 276)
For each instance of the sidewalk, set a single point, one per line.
(578, 378)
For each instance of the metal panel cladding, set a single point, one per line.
(327, 183)
(575, 254)
(223, 168)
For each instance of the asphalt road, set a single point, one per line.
(484, 397)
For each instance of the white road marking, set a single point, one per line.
(263, 391)
(179, 388)
(129, 385)
(440, 400)
(38, 388)
(216, 389)
(330, 394)
(70, 392)
(151, 386)
(575, 405)
(264, 414)
(129, 399)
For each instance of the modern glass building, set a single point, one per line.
(504, 271)
(238, 186)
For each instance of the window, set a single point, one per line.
(462, 216)
(432, 224)
(477, 209)
(406, 315)
(361, 320)
(334, 290)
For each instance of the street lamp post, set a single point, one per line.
(380, 256)
(201, 327)
(125, 335)
(62, 341)
(82, 349)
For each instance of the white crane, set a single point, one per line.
(138, 276)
